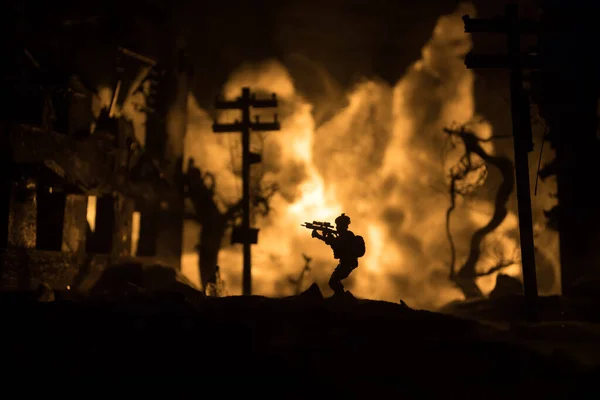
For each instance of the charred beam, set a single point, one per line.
(87, 164)
(137, 56)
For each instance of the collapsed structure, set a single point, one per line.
(79, 192)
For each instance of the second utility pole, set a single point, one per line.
(512, 27)
(246, 235)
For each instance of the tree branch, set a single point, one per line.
(465, 278)
(448, 229)
(462, 130)
(495, 268)
(234, 209)
(494, 137)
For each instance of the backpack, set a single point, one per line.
(359, 246)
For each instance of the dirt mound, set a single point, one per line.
(317, 343)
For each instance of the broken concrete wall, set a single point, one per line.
(26, 269)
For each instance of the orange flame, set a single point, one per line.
(378, 160)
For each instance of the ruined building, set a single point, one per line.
(568, 94)
(80, 192)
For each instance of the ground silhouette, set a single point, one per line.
(347, 347)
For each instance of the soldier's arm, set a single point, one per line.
(316, 234)
(330, 239)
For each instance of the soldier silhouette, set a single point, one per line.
(344, 245)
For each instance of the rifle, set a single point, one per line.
(324, 227)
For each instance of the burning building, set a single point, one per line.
(90, 176)
(364, 137)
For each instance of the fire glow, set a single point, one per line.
(377, 160)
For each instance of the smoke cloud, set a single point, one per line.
(380, 159)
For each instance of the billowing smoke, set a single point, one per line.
(131, 109)
(380, 160)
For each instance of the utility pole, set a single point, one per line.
(245, 234)
(512, 27)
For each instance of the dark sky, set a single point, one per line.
(350, 39)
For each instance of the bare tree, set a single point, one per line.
(217, 215)
(298, 283)
(465, 177)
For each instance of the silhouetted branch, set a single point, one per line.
(233, 210)
(495, 137)
(465, 278)
(262, 200)
(496, 268)
(297, 283)
(448, 228)
(459, 172)
(454, 131)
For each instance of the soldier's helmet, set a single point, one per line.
(342, 220)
